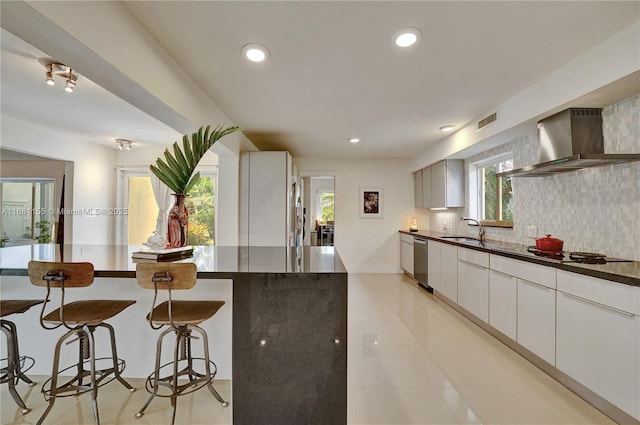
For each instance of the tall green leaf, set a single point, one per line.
(177, 169)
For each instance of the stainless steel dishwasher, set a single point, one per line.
(420, 264)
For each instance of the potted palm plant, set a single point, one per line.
(177, 171)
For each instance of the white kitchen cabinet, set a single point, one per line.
(434, 273)
(443, 269)
(532, 287)
(536, 328)
(440, 185)
(447, 184)
(524, 270)
(449, 271)
(406, 253)
(417, 189)
(503, 299)
(266, 185)
(426, 187)
(598, 341)
(473, 282)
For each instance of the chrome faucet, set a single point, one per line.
(480, 228)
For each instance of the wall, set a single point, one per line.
(606, 64)
(594, 210)
(93, 185)
(367, 245)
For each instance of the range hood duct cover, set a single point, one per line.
(570, 140)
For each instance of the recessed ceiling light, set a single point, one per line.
(406, 37)
(255, 52)
(354, 140)
(447, 127)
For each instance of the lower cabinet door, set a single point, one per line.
(406, 257)
(537, 319)
(503, 294)
(473, 289)
(449, 271)
(600, 347)
(433, 262)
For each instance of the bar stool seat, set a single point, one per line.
(89, 312)
(9, 307)
(185, 312)
(81, 319)
(185, 373)
(15, 370)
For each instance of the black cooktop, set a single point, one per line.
(576, 256)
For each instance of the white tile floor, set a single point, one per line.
(411, 360)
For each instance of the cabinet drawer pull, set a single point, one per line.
(501, 273)
(472, 264)
(536, 284)
(597, 304)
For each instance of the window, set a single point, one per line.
(325, 205)
(200, 204)
(140, 223)
(494, 201)
(142, 210)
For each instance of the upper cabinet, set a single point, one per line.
(417, 188)
(440, 185)
(426, 187)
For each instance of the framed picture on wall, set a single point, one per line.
(371, 202)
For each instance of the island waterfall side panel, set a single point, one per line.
(290, 348)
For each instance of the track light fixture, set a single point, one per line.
(124, 144)
(64, 71)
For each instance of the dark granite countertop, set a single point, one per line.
(627, 272)
(214, 262)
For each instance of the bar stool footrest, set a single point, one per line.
(189, 380)
(72, 388)
(22, 369)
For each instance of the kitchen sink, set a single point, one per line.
(460, 238)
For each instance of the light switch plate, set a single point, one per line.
(532, 232)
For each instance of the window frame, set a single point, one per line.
(122, 190)
(477, 188)
(318, 203)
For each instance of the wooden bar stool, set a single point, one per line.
(81, 318)
(15, 370)
(178, 377)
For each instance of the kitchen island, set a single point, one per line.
(284, 325)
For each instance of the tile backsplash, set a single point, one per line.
(595, 210)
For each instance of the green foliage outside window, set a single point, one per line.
(200, 204)
(44, 231)
(327, 206)
(497, 205)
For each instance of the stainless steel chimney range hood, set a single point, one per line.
(570, 140)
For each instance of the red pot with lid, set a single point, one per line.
(549, 244)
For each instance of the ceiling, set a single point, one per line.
(90, 112)
(333, 72)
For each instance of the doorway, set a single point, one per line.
(28, 210)
(319, 210)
